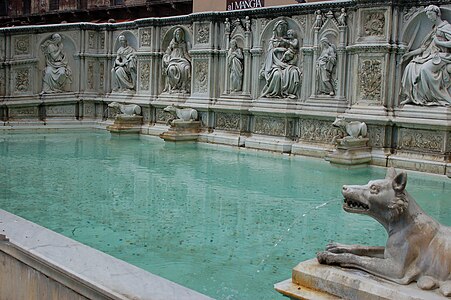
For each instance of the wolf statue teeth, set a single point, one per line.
(418, 247)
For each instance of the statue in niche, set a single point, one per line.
(57, 73)
(123, 74)
(235, 63)
(227, 26)
(283, 77)
(325, 67)
(341, 20)
(418, 247)
(177, 65)
(318, 20)
(426, 79)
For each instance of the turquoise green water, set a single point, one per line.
(228, 223)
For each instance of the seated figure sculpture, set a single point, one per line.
(123, 74)
(418, 247)
(427, 77)
(57, 73)
(280, 71)
(177, 65)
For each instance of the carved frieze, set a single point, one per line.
(101, 74)
(23, 111)
(376, 136)
(90, 75)
(370, 82)
(145, 38)
(22, 45)
(227, 121)
(269, 126)
(318, 131)
(162, 116)
(145, 76)
(203, 34)
(22, 80)
(91, 40)
(422, 140)
(201, 76)
(373, 23)
(89, 109)
(102, 42)
(65, 110)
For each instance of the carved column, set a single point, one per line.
(315, 57)
(341, 64)
(247, 64)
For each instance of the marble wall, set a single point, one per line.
(271, 78)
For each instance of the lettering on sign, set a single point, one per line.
(244, 4)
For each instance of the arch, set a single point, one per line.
(170, 33)
(268, 30)
(132, 41)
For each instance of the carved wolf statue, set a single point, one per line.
(125, 109)
(418, 247)
(353, 129)
(184, 114)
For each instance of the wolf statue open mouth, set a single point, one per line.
(418, 247)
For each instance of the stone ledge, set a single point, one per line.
(322, 280)
(83, 269)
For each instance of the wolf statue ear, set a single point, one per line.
(399, 182)
(391, 173)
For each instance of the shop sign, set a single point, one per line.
(244, 4)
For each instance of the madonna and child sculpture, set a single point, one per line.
(57, 73)
(427, 77)
(177, 64)
(418, 247)
(123, 74)
(280, 71)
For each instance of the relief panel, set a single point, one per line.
(420, 140)
(21, 45)
(64, 110)
(201, 76)
(370, 79)
(269, 126)
(318, 131)
(227, 121)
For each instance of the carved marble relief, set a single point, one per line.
(373, 23)
(91, 40)
(57, 75)
(123, 73)
(66, 110)
(201, 76)
(282, 76)
(22, 80)
(301, 20)
(376, 136)
(90, 75)
(89, 109)
(145, 76)
(319, 20)
(102, 42)
(23, 111)
(162, 116)
(413, 139)
(426, 78)
(342, 18)
(235, 64)
(101, 75)
(22, 45)
(177, 64)
(326, 66)
(227, 121)
(269, 126)
(318, 131)
(410, 12)
(145, 38)
(203, 34)
(370, 82)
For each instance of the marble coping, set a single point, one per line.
(93, 270)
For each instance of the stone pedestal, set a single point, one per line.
(350, 152)
(126, 124)
(310, 280)
(182, 131)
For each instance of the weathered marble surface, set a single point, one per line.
(310, 280)
(96, 270)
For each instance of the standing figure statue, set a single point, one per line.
(177, 65)
(235, 63)
(282, 76)
(57, 73)
(426, 79)
(341, 20)
(123, 74)
(325, 67)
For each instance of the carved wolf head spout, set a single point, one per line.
(384, 199)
